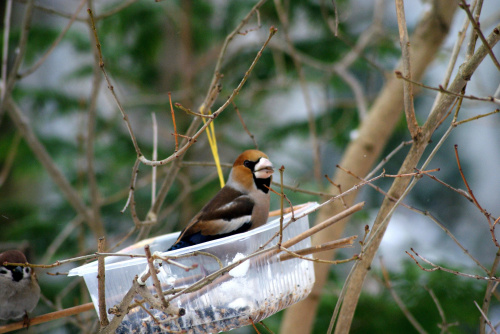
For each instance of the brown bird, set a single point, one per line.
(241, 205)
(19, 289)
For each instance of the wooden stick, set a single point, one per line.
(341, 243)
(338, 217)
(101, 283)
(48, 317)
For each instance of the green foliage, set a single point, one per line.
(50, 101)
(378, 313)
(40, 38)
(132, 40)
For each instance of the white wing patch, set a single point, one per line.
(224, 226)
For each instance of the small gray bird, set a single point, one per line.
(19, 289)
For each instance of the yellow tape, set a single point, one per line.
(212, 141)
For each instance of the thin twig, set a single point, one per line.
(282, 195)
(257, 13)
(476, 117)
(118, 8)
(442, 90)
(68, 229)
(340, 243)
(125, 238)
(174, 123)
(9, 160)
(192, 130)
(486, 318)
(475, 24)
(338, 187)
(101, 283)
(435, 267)
(452, 237)
(216, 113)
(388, 157)
(140, 304)
(48, 317)
(254, 327)
(283, 17)
(89, 144)
(490, 287)
(156, 281)
(315, 229)
(59, 38)
(456, 50)
(469, 190)
(458, 191)
(334, 26)
(404, 41)
(131, 198)
(290, 255)
(244, 125)
(47, 162)
(194, 113)
(11, 78)
(267, 328)
(444, 325)
(155, 156)
(5, 48)
(229, 38)
(428, 214)
(110, 86)
(399, 302)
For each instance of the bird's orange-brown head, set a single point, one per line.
(252, 166)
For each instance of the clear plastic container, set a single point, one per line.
(252, 291)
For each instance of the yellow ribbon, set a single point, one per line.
(213, 144)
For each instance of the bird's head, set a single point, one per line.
(252, 168)
(13, 273)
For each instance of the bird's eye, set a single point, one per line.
(3, 271)
(248, 164)
(27, 270)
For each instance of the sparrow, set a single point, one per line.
(19, 289)
(241, 205)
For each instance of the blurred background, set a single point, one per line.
(288, 111)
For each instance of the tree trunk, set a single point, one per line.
(363, 152)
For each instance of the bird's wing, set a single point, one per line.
(230, 211)
(227, 218)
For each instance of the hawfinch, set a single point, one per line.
(241, 205)
(19, 289)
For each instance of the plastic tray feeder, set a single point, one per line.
(252, 291)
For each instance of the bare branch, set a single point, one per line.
(475, 24)
(42, 155)
(5, 48)
(404, 41)
(399, 302)
(59, 38)
(48, 317)
(477, 117)
(110, 86)
(283, 17)
(9, 160)
(435, 267)
(244, 126)
(216, 113)
(101, 283)
(442, 90)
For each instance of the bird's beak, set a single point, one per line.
(263, 169)
(17, 273)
